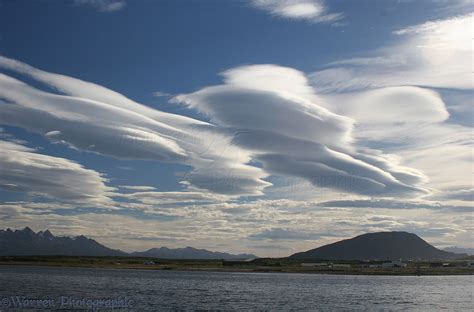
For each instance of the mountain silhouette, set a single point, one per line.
(28, 243)
(378, 246)
(460, 250)
(190, 253)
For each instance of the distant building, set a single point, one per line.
(394, 264)
(239, 260)
(318, 264)
(341, 265)
(149, 263)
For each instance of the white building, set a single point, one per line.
(394, 264)
(318, 264)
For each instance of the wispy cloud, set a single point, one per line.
(431, 54)
(308, 10)
(263, 113)
(138, 187)
(399, 97)
(103, 5)
(161, 94)
(95, 119)
(393, 204)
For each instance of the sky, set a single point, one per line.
(260, 126)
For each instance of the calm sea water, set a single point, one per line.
(134, 290)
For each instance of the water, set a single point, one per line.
(177, 290)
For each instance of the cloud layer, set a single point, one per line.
(398, 96)
(95, 119)
(273, 113)
(349, 149)
(433, 54)
(263, 114)
(24, 170)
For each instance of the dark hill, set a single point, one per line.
(378, 246)
(190, 253)
(28, 243)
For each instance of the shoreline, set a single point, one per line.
(362, 272)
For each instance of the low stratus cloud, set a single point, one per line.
(285, 234)
(284, 224)
(309, 10)
(393, 204)
(24, 170)
(459, 194)
(167, 198)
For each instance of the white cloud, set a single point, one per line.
(161, 94)
(264, 113)
(137, 187)
(268, 77)
(444, 153)
(103, 5)
(22, 169)
(285, 234)
(393, 204)
(432, 54)
(54, 116)
(309, 10)
(387, 94)
(459, 194)
(167, 198)
(396, 105)
(273, 113)
(96, 119)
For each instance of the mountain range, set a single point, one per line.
(370, 246)
(190, 253)
(378, 246)
(459, 250)
(28, 243)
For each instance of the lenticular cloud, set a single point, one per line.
(92, 118)
(274, 114)
(23, 169)
(264, 120)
